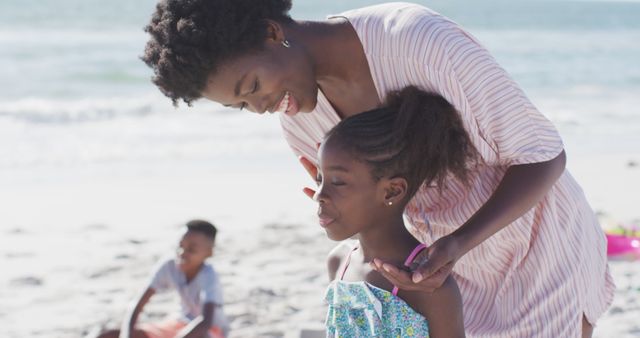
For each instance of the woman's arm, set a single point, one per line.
(520, 189)
(126, 330)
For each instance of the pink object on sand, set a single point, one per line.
(620, 246)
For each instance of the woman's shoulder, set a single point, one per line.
(395, 29)
(392, 17)
(388, 10)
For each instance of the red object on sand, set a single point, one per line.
(621, 246)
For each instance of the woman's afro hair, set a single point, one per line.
(189, 39)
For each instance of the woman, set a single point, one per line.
(520, 238)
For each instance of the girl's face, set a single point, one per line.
(273, 79)
(193, 250)
(349, 198)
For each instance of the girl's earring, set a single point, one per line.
(286, 43)
(390, 203)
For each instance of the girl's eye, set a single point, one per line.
(337, 182)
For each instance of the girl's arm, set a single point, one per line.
(442, 309)
(129, 323)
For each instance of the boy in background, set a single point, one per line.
(197, 284)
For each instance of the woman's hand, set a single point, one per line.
(430, 268)
(312, 170)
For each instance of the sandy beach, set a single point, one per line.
(270, 251)
(98, 171)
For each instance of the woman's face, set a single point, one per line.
(275, 78)
(349, 198)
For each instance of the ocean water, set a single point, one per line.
(74, 94)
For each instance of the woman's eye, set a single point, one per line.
(336, 182)
(255, 87)
(318, 179)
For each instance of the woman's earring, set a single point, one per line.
(390, 203)
(286, 43)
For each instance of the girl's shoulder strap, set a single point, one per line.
(347, 261)
(408, 261)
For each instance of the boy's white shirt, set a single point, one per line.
(204, 288)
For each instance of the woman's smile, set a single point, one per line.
(288, 105)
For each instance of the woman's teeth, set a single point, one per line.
(284, 104)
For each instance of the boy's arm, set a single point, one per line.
(442, 308)
(134, 311)
(200, 325)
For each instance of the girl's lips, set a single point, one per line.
(325, 221)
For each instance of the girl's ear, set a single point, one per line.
(274, 32)
(395, 190)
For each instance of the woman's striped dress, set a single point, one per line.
(540, 274)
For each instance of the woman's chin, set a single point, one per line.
(308, 107)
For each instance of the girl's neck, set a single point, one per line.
(390, 242)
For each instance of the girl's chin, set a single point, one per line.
(336, 237)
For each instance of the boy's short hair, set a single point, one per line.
(203, 227)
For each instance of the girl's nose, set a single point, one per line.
(319, 195)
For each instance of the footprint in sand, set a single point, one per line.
(104, 272)
(96, 226)
(11, 255)
(16, 231)
(122, 256)
(26, 281)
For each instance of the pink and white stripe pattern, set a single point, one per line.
(539, 275)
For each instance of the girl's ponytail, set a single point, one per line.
(416, 135)
(432, 135)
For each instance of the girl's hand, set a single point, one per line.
(430, 269)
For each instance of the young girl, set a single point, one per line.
(370, 166)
